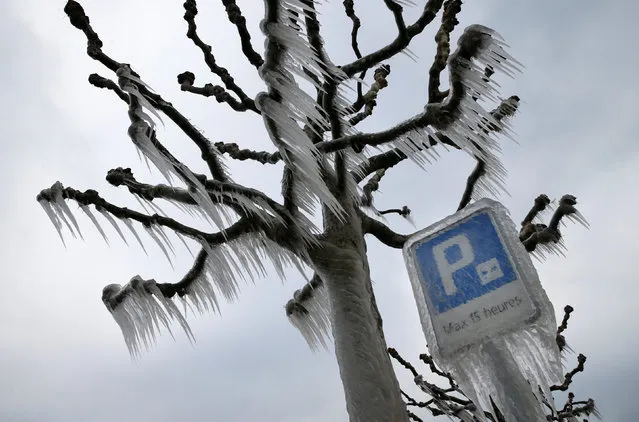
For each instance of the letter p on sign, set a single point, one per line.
(446, 268)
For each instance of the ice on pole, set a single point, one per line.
(486, 317)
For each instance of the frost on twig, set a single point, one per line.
(542, 239)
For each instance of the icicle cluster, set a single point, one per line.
(54, 205)
(287, 108)
(142, 133)
(310, 314)
(470, 126)
(141, 310)
(243, 258)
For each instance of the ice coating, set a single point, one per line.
(288, 111)
(473, 129)
(530, 350)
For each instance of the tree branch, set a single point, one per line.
(475, 175)
(80, 20)
(581, 360)
(442, 38)
(561, 340)
(369, 100)
(190, 7)
(91, 197)
(382, 232)
(543, 234)
(398, 44)
(187, 79)
(237, 153)
(234, 14)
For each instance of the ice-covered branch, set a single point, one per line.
(444, 401)
(234, 14)
(442, 38)
(573, 408)
(402, 41)
(473, 178)
(101, 82)
(358, 141)
(286, 108)
(191, 11)
(229, 194)
(81, 21)
(52, 200)
(143, 307)
(371, 186)
(394, 156)
(349, 9)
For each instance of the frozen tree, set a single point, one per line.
(329, 169)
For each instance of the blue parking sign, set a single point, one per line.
(464, 262)
(466, 277)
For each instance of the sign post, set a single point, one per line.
(481, 304)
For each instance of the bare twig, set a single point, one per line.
(561, 340)
(402, 41)
(382, 232)
(234, 14)
(190, 7)
(581, 360)
(442, 38)
(187, 79)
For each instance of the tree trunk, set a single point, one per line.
(370, 386)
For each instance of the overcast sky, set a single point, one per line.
(62, 357)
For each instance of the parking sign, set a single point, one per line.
(466, 278)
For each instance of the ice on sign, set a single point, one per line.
(466, 277)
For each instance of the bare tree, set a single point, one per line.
(329, 168)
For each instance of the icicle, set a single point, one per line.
(48, 209)
(111, 220)
(65, 213)
(135, 234)
(186, 245)
(89, 214)
(150, 231)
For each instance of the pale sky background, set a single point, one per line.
(62, 357)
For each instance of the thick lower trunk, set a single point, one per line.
(370, 386)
